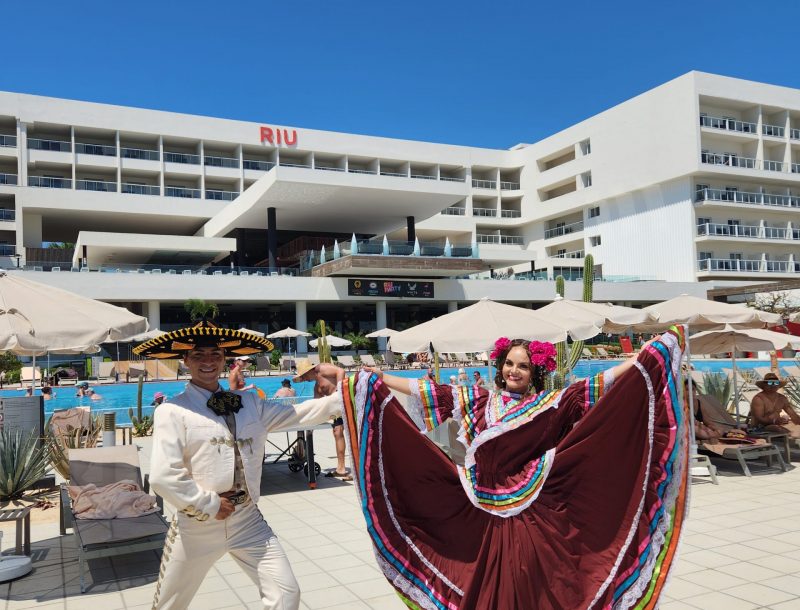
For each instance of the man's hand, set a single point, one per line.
(226, 507)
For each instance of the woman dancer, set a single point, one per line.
(566, 499)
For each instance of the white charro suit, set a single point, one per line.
(192, 463)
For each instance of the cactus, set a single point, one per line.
(323, 348)
(561, 352)
(566, 363)
(142, 424)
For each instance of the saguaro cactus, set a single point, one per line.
(566, 362)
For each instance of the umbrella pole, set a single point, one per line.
(692, 439)
(33, 373)
(735, 386)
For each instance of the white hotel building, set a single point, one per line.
(691, 185)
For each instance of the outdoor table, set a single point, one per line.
(307, 437)
(22, 517)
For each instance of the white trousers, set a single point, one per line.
(192, 547)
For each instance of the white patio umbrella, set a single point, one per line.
(36, 318)
(381, 333)
(288, 333)
(332, 340)
(252, 332)
(605, 317)
(729, 339)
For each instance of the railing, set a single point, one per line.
(329, 168)
(261, 166)
(778, 233)
(728, 230)
(796, 168)
(8, 215)
(50, 183)
(423, 176)
(509, 186)
(510, 214)
(394, 174)
(300, 165)
(785, 201)
(728, 124)
(140, 153)
(500, 239)
(9, 179)
(727, 264)
(221, 195)
(8, 249)
(8, 141)
(222, 162)
(182, 191)
(772, 130)
(184, 158)
(492, 212)
(454, 211)
(141, 189)
(358, 170)
(773, 166)
(573, 254)
(484, 184)
(730, 160)
(452, 179)
(573, 227)
(96, 185)
(794, 134)
(96, 149)
(57, 145)
(156, 269)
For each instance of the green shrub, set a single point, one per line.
(719, 386)
(275, 357)
(22, 462)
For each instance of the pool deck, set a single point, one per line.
(741, 550)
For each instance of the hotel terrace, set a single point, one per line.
(690, 186)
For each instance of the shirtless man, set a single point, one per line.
(327, 377)
(767, 407)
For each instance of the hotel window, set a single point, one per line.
(594, 212)
(730, 193)
(594, 240)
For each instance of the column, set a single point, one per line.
(380, 322)
(272, 241)
(411, 233)
(301, 323)
(154, 314)
(452, 306)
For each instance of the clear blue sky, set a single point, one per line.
(478, 73)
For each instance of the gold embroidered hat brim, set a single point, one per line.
(174, 344)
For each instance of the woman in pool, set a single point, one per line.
(566, 499)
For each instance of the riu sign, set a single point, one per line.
(279, 137)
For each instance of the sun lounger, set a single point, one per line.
(715, 414)
(314, 358)
(26, 374)
(761, 371)
(368, 360)
(602, 353)
(394, 362)
(347, 362)
(626, 346)
(107, 371)
(95, 538)
(587, 353)
(792, 371)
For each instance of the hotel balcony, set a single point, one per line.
(727, 124)
(718, 267)
(574, 254)
(53, 145)
(8, 249)
(221, 162)
(182, 158)
(742, 162)
(500, 239)
(50, 182)
(734, 231)
(7, 215)
(102, 150)
(8, 179)
(142, 154)
(563, 229)
(454, 211)
(747, 198)
(8, 141)
(218, 195)
(141, 189)
(260, 166)
(509, 186)
(484, 184)
(182, 192)
(96, 185)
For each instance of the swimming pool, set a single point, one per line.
(120, 397)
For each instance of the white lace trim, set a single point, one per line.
(415, 407)
(403, 584)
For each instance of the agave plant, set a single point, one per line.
(719, 386)
(792, 391)
(59, 444)
(23, 462)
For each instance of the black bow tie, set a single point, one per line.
(223, 403)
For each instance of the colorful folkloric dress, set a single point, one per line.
(566, 500)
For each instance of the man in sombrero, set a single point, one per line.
(770, 410)
(208, 448)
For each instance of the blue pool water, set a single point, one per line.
(121, 397)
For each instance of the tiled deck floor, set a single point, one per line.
(741, 551)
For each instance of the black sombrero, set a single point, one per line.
(204, 334)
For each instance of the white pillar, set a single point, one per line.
(380, 320)
(154, 314)
(301, 323)
(452, 306)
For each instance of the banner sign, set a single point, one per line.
(24, 413)
(389, 288)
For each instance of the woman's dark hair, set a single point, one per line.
(538, 373)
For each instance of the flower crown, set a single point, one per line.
(542, 353)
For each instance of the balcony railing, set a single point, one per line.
(140, 153)
(779, 233)
(454, 212)
(730, 160)
(222, 162)
(794, 134)
(423, 176)
(261, 166)
(515, 240)
(728, 124)
(102, 150)
(394, 174)
(358, 170)
(573, 254)
(748, 265)
(96, 185)
(329, 168)
(8, 215)
(796, 168)
(57, 145)
(221, 195)
(289, 164)
(773, 166)
(573, 227)
(452, 178)
(50, 183)
(728, 230)
(772, 130)
(784, 201)
(184, 158)
(182, 191)
(8, 141)
(8, 249)
(510, 213)
(490, 212)
(509, 186)
(9, 179)
(140, 189)
(484, 184)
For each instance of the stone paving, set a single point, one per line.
(741, 550)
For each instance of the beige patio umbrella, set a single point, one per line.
(729, 339)
(605, 317)
(703, 314)
(382, 333)
(332, 341)
(288, 333)
(252, 332)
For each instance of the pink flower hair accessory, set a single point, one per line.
(502, 344)
(543, 354)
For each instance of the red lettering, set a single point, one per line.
(266, 134)
(278, 133)
(279, 137)
(287, 140)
